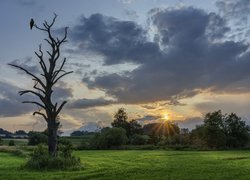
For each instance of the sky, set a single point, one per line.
(159, 59)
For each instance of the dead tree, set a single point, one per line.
(52, 71)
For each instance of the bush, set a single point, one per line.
(108, 138)
(11, 143)
(65, 142)
(138, 139)
(41, 160)
(36, 138)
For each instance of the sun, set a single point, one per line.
(166, 117)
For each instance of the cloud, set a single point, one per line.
(89, 103)
(62, 92)
(10, 101)
(118, 41)
(234, 8)
(189, 55)
(126, 1)
(148, 119)
(26, 63)
(190, 122)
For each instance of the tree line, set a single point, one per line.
(218, 131)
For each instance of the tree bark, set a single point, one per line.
(52, 139)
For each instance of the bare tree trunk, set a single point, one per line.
(52, 139)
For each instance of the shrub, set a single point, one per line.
(36, 138)
(41, 160)
(11, 143)
(65, 142)
(109, 137)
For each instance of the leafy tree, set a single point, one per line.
(135, 128)
(52, 70)
(221, 130)
(236, 130)
(121, 121)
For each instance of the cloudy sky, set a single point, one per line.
(159, 59)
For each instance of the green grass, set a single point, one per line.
(156, 164)
(18, 142)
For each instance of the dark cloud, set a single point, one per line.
(190, 123)
(26, 63)
(188, 56)
(234, 9)
(88, 103)
(62, 92)
(29, 3)
(148, 119)
(117, 41)
(10, 101)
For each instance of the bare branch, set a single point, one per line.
(29, 73)
(41, 114)
(62, 76)
(60, 107)
(59, 70)
(32, 92)
(34, 102)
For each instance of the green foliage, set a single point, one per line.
(121, 121)
(11, 143)
(64, 141)
(36, 138)
(159, 132)
(221, 131)
(138, 139)
(109, 137)
(41, 160)
(236, 130)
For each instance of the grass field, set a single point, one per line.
(19, 142)
(156, 164)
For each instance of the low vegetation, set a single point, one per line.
(140, 164)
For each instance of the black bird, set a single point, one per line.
(32, 23)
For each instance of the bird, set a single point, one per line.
(32, 23)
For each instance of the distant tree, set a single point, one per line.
(121, 121)
(159, 131)
(220, 131)
(135, 128)
(52, 70)
(20, 132)
(138, 139)
(214, 134)
(109, 137)
(236, 130)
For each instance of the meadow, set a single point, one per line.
(140, 164)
